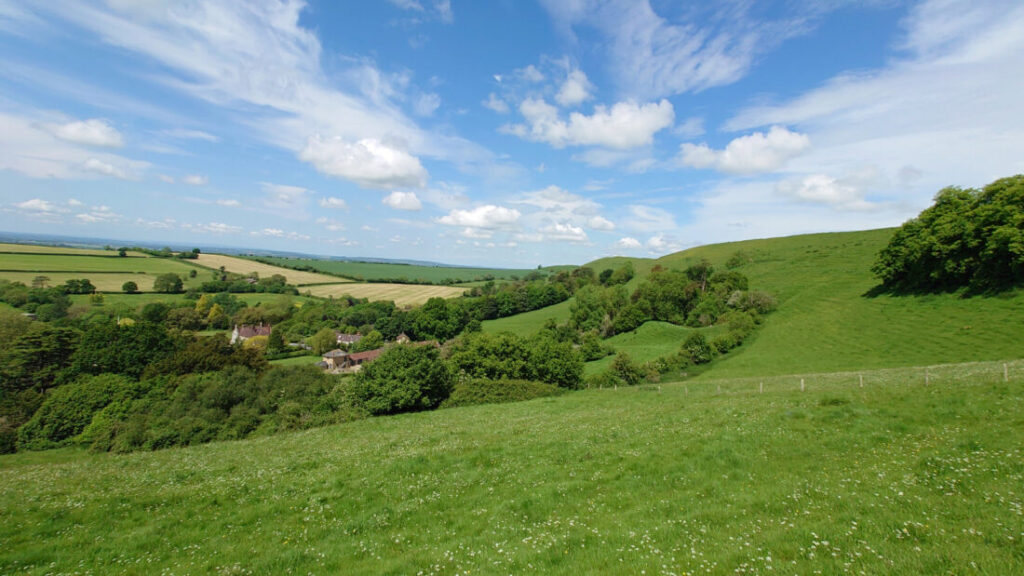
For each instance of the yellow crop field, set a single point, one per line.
(243, 266)
(401, 294)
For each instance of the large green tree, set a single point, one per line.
(967, 238)
(403, 379)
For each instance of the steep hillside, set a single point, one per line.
(826, 321)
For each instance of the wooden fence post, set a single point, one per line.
(801, 384)
(762, 387)
(1006, 373)
(861, 380)
(927, 376)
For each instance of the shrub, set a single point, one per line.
(70, 408)
(698, 349)
(403, 379)
(625, 370)
(471, 392)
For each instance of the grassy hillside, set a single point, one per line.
(894, 478)
(825, 322)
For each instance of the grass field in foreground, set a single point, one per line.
(671, 479)
(391, 271)
(244, 266)
(401, 294)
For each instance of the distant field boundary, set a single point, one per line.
(986, 372)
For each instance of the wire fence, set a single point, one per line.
(969, 373)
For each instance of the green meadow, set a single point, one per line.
(408, 272)
(107, 271)
(896, 477)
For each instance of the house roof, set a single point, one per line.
(349, 338)
(336, 354)
(248, 331)
(365, 356)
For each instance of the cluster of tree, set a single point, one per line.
(698, 297)
(238, 284)
(47, 304)
(967, 238)
(164, 252)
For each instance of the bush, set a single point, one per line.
(70, 408)
(403, 379)
(697, 348)
(483, 391)
(130, 287)
(625, 370)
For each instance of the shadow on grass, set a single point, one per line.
(971, 291)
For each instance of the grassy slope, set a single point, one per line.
(895, 479)
(824, 321)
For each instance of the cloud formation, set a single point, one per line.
(752, 154)
(403, 201)
(623, 126)
(92, 132)
(369, 163)
(488, 217)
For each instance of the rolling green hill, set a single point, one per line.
(893, 478)
(825, 321)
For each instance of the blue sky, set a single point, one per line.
(507, 133)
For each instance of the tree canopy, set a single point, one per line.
(967, 238)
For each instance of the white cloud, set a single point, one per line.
(530, 74)
(908, 114)
(92, 132)
(185, 134)
(822, 189)
(332, 202)
(106, 169)
(403, 201)
(260, 56)
(751, 154)
(651, 57)
(628, 243)
(648, 219)
(426, 104)
(445, 196)
(165, 178)
(495, 103)
(39, 205)
(601, 223)
(279, 233)
(195, 180)
(487, 216)
(476, 233)
(216, 228)
(575, 90)
(98, 214)
(369, 162)
(230, 203)
(625, 125)
(29, 146)
(564, 233)
(690, 128)
(332, 225)
(74, 203)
